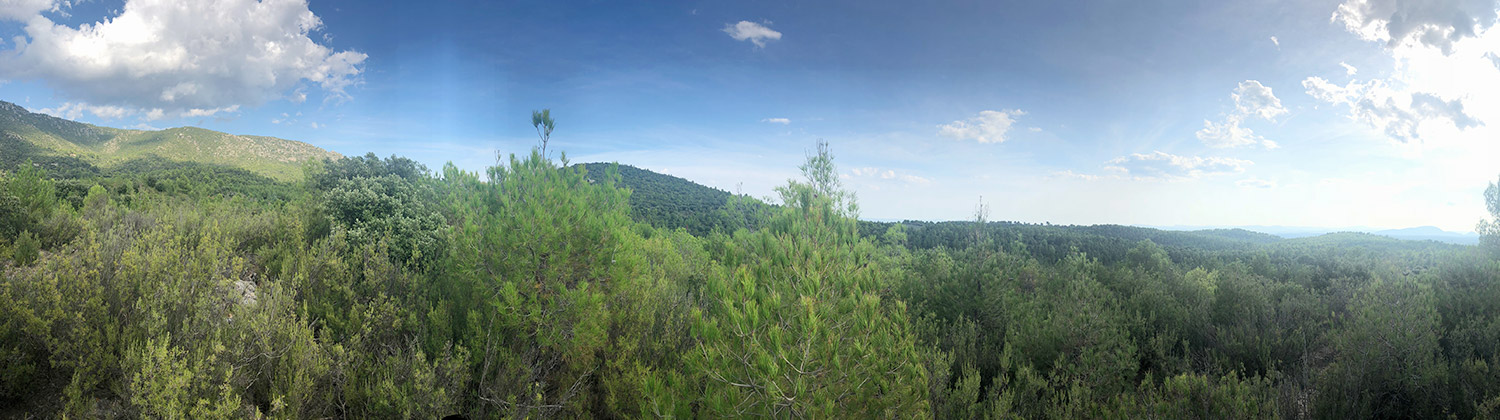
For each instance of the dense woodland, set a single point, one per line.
(375, 288)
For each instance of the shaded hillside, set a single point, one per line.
(670, 202)
(73, 149)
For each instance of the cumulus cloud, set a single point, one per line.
(1251, 99)
(170, 58)
(782, 121)
(1166, 166)
(1399, 114)
(987, 127)
(1432, 23)
(750, 31)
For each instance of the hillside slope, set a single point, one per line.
(670, 202)
(74, 148)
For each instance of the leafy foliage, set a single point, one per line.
(371, 200)
(796, 324)
(376, 289)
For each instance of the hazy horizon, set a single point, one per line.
(1274, 113)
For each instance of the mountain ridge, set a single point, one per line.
(66, 144)
(1417, 233)
(672, 202)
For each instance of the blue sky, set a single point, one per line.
(1292, 113)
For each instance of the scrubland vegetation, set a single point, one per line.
(375, 288)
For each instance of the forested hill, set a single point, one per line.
(1048, 242)
(73, 149)
(669, 202)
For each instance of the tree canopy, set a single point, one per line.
(375, 288)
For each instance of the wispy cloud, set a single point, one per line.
(1255, 183)
(884, 175)
(782, 121)
(1069, 174)
(1229, 133)
(22, 10)
(75, 110)
(1165, 166)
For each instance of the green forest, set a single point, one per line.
(374, 287)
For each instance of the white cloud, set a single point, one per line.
(1069, 174)
(1165, 166)
(1230, 134)
(191, 58)
(750, 31)
(1275, 41)
(1255, 183)
(298, 95)
(1400, 114)
(782, 121)
(156, 114)
(75, 110)
(1348, 68)
(1251, 99)
(22, 10)
(1433, 23)
(987, 127)
(871, 173)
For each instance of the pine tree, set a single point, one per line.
(795, 323)
(26, 249)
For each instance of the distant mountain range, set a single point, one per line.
(1422, 233)
(67, 146)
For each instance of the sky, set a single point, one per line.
(1312, 113)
